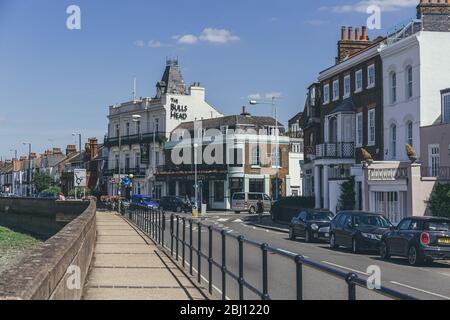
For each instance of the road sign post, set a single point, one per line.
(79, 180)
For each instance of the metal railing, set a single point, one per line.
(186, 251)
(388, 174)
(338, 150)
(441, 173)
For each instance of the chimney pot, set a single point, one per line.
(350, 33)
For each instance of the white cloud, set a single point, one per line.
(210, 35)
(154, 44)
(139, 43)
(218, 36)
(273, 95)
(255, 96)
(187, 39)
(361, 6)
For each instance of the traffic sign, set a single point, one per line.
(79, 178)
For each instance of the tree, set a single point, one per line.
(41, 181)
(440, 201)
(347, 200)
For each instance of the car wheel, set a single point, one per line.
(333, 244)
(252, 210)
(355, 247)
(384, 251)
(414, 257)
(307, 236)
(237, 212)
(291, 234)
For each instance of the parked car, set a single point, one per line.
(145, 201)
(7, 195)
(419, 239)
(311, 225)
(358, 230)
(248, 201)
(175, 204)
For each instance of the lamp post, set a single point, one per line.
(30, 163)
(14, 172)
(272, 102)
(196, 177)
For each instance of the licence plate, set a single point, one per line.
(444, 241)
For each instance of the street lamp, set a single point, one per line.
(30, 163)
(195, 175)
(14, 172)
(272, 102)
(79, 139)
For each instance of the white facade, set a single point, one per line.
(157, 118)
(417, 100)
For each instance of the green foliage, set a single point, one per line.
(54, 189)
(347, 200)
(42, 181)
(440, 201)
(286, 208)
(10, 240)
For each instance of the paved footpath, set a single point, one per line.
(127, 265)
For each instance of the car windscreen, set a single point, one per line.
(437, 226)
(320, 216)
(147, 199)
(373, 221)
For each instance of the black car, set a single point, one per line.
(420, 239)
(311, 225)
(175, 204)
(358, 230)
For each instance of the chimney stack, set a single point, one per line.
(93, 142)
(434, 15)
(71, 149)
(343, 33)
(364, 33)
(347, 47)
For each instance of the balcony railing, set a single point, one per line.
(339, 150)
(137, 172)
(388, 174)
(190, 168)
(135, 139)
(441, 173)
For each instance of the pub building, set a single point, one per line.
(245, 159)
(138, 129)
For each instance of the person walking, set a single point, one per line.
(260, 209)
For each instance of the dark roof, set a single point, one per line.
(346, 106)
(172, 81)
(296, 118)
(232, 122)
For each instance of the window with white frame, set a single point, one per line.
(393, 83)
(409, 82)
(276, 159)
(256, 156)
(335, 90)
(434, 159)
(347, 86)
(326, 94)
(358, 81)
(446, 107)
(409, 133)
(359, 130)
(371, 76)
(393, 136)
(313, 96)
(371, 127)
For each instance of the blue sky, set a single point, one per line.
(54, 81)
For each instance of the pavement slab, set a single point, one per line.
(129, 266)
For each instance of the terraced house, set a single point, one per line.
(376, 98)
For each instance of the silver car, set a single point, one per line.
(248, 201)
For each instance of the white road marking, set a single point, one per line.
(420, 290)
(345, 268)
(238, 221)
(223, 220)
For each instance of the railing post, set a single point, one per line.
(224, 265)
(163, 226)
(178, 237)
(351, 278)
(183, 243)
(299, 275)
(171, 235)
(159, 226)
(210, 258)
(190, 247)
(265, 281)
(199, 253)
(241, 267)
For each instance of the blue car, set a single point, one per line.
(144, 200)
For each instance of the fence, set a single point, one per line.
(184, 250)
